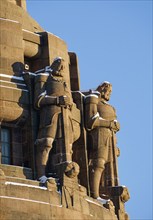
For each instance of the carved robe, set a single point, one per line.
(50, 125)
(100, 136)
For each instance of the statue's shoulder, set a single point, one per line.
(92, 96)
(41, 77)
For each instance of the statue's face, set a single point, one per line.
(58, 68)
(107, 93)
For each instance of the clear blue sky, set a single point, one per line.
(113, 41)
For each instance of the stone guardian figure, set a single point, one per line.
(101, 124)
(52, 99)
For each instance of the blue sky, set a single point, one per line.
(113, 42)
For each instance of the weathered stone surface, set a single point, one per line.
(13, 12)
(11, 44)
(25, 48)
(74, 72)
(24, 198)
(16, 171)
(20, 3)
(38, 210)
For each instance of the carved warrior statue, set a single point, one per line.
(54, 101)
(101, 124)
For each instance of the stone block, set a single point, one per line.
(10, 113)
(16, 171)
(74, 72)
(57, 47)
(31, 37)
(11, 46)
(85, 208)
(99, 211)
(6, 38)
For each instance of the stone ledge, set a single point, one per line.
(16, 171)
(11, 208)
(22, 191)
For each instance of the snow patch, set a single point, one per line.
(8, 87)
(96, 115)
(91, 95)
(19, 84)
(31, 32)
(96, 203)
(4, 19)
(23, 184)
(12, 77)
(29, 200)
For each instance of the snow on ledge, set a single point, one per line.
(23, 184)
(96, 203)
(5, 19)
(8, 87)
(29, 200)
(12, 77)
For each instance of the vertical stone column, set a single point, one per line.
(11, 46)
(11, 66)
(57, 47)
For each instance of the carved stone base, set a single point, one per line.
(119, 195)
(26, 199)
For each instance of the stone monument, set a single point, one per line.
(54, 100)
(101, 124)
(58, 148)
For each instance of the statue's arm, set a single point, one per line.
(92, 117)
(41, 98)
(40, 94)
(91, 112)
(101, 122)
(45, 99)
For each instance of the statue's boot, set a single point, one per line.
(42, 158)
(95, 182)
(41, 161)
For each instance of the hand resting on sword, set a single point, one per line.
(64, 101)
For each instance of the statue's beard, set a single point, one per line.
(107, 98)
(58, 73)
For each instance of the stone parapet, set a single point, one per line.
(16, 171)
(22, 198)
(32, 210)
